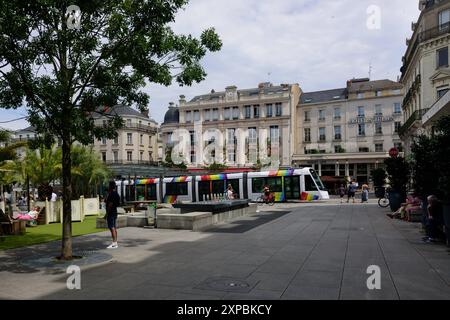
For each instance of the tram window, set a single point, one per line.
(218, 186)
(151, 192)
(235, 185)
(257, 185)
(177, 189)
(129, 193)
(309, 184)
(275, 184)
(140, 192)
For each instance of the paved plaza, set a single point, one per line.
(289, 251)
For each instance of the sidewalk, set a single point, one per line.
(289, 251)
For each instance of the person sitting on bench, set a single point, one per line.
(32, 215)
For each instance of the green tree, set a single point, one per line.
(65, 74)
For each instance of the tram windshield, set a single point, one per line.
(317, 180)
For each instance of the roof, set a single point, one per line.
(267, 89)
(360, 86)
(120, 110)
(323, 96)
(172, 115)
(27, 129)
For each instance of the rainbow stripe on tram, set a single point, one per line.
(214, 177)
(146, 181)
(281, 173)
(179, 179)
(170, 199)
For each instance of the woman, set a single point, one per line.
(230, 192)
(32, 215)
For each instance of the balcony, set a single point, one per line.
(141, 127)
(422, 37)
(133, 162)
(416, 116)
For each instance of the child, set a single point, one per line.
(365, 193)
(342, 192)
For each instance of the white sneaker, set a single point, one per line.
(113, 245)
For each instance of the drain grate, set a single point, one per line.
(226, 284)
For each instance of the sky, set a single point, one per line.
(319, 44)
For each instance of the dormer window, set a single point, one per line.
(444, 19)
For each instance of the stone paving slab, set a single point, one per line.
(316, 251)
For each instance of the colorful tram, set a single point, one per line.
(285, 184)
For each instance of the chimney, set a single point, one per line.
(182, 100)
(171, 105)
(145, 113)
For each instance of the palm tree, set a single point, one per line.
(7, 153)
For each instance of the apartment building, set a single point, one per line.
(347, 132)
(425, 70)
(267, 109)
(136, 143)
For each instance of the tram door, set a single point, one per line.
(204, 191)
(292, 187)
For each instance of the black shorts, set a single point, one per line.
(351, 194)
(111, 220)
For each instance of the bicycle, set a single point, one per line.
(266, 200)
(383, 202)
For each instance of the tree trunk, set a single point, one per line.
(66, 252)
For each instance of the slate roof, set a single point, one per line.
(356, 86)
(323, 96)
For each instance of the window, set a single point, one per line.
(441, 92)
(116, 140)
(207, 115)
(231, 145)
(196, 115)
(215, 114)
(274, 134)
(129, 155)
(105, 123)
(321, 115)
(337, 133)
(307, 134)
(396, 91)
(188, 116)
(141, 156)
(248, 112)
(363, 149)
(379, 147)
(360, 95)
(177, 189)
(397, 126)
(128, 122)
(307, 116)
(322, 136)
(103, 140)
(278, 109)
(444, 19)
(275, 184)
(115, 156)
(256, 111)
(397, 108)
(398, 146)
(442, 58)
(235, 113)
(378, 128)
(337, 113)
(361, 129)
(268, 110)
(337, 149)
(129, 138)
(360, 111)
(378, 93)
(104, 156)
(378, 110)
(141, 139)
(227, 113)
(252, 136)
(309, 184)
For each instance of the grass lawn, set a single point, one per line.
(50, 232)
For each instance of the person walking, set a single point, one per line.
(351, 191)
(341, 192)
(365, 193)
(112, 202)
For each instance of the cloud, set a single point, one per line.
(317, 43)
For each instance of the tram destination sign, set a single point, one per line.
(375, 119)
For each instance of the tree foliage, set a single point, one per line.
(64, 75)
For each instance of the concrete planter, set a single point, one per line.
(395, 200)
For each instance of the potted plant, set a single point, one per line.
(398, 174)
(443, 165)
(379, 179)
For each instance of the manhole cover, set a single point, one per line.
(226, 284)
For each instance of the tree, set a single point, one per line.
(398, 174)
(64, 65)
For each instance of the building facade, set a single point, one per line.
(349, 131)
(136, 143)
(247, 121)
(425, 70)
